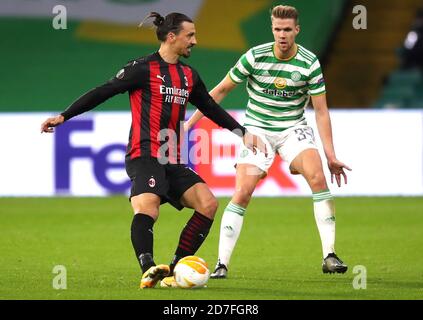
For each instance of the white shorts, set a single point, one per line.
(288, 144)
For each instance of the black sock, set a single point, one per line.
(142, 240)
(192, 236)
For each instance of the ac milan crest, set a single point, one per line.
(152, 182)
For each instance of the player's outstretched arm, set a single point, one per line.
(85, 103)
(336, 167)
(218, 94)
(133, 75)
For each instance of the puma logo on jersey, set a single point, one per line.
(120, 74)
(160, 77)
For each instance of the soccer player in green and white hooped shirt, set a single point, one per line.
(281, 77)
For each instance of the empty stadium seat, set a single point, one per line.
(405, 77)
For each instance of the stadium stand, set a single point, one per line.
(47, 69)
(404, 87)
(360, 60)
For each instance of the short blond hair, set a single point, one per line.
(285, 12)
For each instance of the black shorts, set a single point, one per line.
(168, 181)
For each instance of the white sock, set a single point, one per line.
(324, 213)
(230, 228)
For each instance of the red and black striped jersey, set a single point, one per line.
(158, 104)
(158, 93)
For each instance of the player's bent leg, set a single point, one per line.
(146, 203)
(199, 198)
(309, 164)
(247, 177)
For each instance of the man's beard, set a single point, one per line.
(187, 53)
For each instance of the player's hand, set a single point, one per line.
(254, 142)
(50, 123)
(336, 168)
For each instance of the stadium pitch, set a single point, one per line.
(278, 256)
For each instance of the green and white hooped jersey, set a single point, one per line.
(279, 90)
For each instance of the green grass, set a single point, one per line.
(278, 255)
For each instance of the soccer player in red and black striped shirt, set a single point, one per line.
(160, 87)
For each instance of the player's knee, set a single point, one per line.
(317, 181)
(146, 206)
(208, 207)
(213, 205)
(242, 196)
